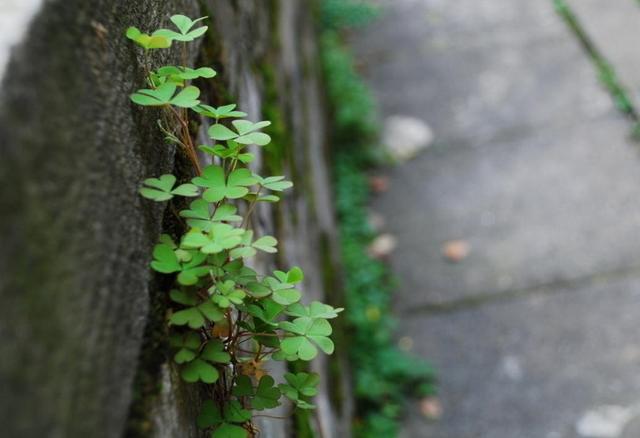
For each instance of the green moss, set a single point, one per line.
(384, 376)
(606, 72)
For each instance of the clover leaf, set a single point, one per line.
(165, 259)
(184, 25)
(232, 412)
(245, 132)
(227, 430)
(161, 189)
(222, 112)
(300, 384)
(218, 188)
(187, 345)
(199, 215)
(218, 238)
(266, 310)
(179, 74)
(282, 285)
(196, 315)
(165, 95)
(225, 293)
(275, 183)
(264, 396)
(192, 268)
(266, 244)
(306, 330)
(147, 41)
(203, 368)
(315, 310)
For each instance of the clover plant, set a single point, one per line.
(227, 319)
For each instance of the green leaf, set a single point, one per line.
(161, 189)
(315, 310)
(221, 112)
(187, 345)
(199, 370)
(300, 384)
(221, 132)
(286, 296)
(185, 190)
(184, 25)
(227, 430)
(266, 395)
(244, 134)
(165, 259)
(225, 293)
(183, 297)
(258, 138)
(214, 352)
(210, 415)
(234, 187)
(182, 22)
(295, 275)
(164, 95)
(187, 98)
(147, 41)
(275, 183)
(220, 237)
(266, 244)
(155, 97)
(309, 329)
(195, 317)
(243, 387)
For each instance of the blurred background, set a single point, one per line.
(467, 185)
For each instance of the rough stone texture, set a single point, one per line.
(532, 167)
(74, 277)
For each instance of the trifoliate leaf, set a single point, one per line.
(266, 394)
(266, 244)
(234, 187)
(195, 317)
(165, 259)
(199, 370)
(147, 41)
(315, 310)
(221, 112)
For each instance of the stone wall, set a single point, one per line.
(75, 288)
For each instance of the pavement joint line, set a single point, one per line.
(556, 287)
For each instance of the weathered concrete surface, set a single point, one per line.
(76, 236)
(532, 167)
(615, 32)
(532, 367)
(74, 276)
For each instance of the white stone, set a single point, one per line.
(604, 422)
(404, 136)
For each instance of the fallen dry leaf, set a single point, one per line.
(379, 184)
(456, 250)
(220, 329)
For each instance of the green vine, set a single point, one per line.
(227, 320)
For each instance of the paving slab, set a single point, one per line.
(559, 205)
(477, 70)
(532, 367)
(534, 332)
(614, 28)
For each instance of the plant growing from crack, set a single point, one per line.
(227, 319)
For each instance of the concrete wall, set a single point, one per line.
(75, 288)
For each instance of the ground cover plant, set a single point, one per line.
(227, 319)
